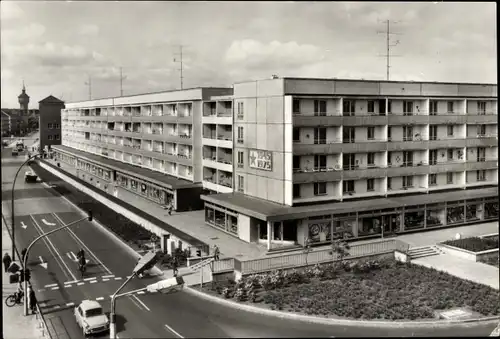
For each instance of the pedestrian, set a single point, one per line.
(175, 265)
(216, 252)
(32, 300)
(23, 254)
(169, 210)
(6, 261)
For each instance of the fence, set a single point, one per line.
(224, 264)
(321, 256)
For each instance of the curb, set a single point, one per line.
(344, 322)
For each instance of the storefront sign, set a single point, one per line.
(262, 160)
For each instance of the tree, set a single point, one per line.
(307, 248)
(339, 249)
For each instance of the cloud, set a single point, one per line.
(22, 34)
(10, 10)
(88, 29)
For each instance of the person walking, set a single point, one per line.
(175, 266)
(216, 252)
(169, 209)
(32, 300)
(7, 260)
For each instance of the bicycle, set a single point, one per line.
(14, 299)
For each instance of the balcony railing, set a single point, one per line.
(225, 181)
(318, 169)
(224, 114)
(224, 137)
(210, 179)
(225, 161)
(323, 114)
(157, 131)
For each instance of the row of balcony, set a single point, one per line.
(168, 109)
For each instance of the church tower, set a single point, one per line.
(24, 100)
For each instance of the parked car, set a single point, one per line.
(90, 317)
(30, 176)
(15, 153)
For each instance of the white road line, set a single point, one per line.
(41, 290)
(70, 304)
(80, 283)
(100, 298)
(88, 279)
(71, 282)
(140, 301)
(68, 286)
(118, 278)
(51, 285)
(108, 276)
(111, 296)
(141, 292)
(57, 306)
(47, 242)
(173, 331)
(83, 244)
(105, 279)
(93, 281)
(55, 288)
(128, 276)
(69, 256)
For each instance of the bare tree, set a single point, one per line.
(339, 249)
(307, 249)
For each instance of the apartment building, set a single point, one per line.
(50, 121)
(283, 160)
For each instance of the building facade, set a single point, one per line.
(288, 159)
(18, 121)
(50, 121)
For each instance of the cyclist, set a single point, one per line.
(19, 293)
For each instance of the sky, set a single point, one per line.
(55, 47)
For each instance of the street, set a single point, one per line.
(60, 287)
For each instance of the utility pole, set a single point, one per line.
(388, 54)
(121, 81)
(181, 69)
(89, 83)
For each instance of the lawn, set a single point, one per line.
(475, 244)
(383, 289)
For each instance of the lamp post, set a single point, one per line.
(12, 204)
(25, 263)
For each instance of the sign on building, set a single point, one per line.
(262, 160)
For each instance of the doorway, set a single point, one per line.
(290, 230)
(390, 224)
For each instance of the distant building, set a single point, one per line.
(17, 121)
(5, 124)
(50, 121)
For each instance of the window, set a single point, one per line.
(389, 106)
(433, 107)
(296, 190)
(371, 159)
(241, 183)
(296, 162)
(370, 133)
(349, 161)
(433, 154)
(407, 133)
(87, 135)
(57, 137)
(389, 133)
(371, 106)
(481, 175)
(370, 184)
(389, 158)
(450, 107)
(348, 107)
(450, 154)
(319, 162)
(319, 188)
(240, 110)
(407, 181)
(240, 135)
(450, 130)
(481, 130)
(449, 178)
(320, 135)
(432, 179)
(296, 134)
(389, 183)
(408, 158)
(481, 107)
(56, 126)
(319, 107)
(407, 107)
(50, 126)
(296, 106)
(50, 137)
(240, 159)
(348, 186)
(348, 135)
(433, 132)
(481, 154)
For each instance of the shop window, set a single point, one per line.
(209, 215)
(233, 224)
(369, 226)
(342, 229)
(414, 219)
(144, 189)
(320, 231)
(490, 210)
(133, 185)
(154, 193)
(472, 212)
(455, 215)
(220, 219)
(100, 172)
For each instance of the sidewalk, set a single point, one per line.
(15, 324)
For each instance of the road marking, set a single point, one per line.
(108, 276)
(69, 256)
(71, 282)
(105, 279)
(80, 283)
(47, 242)
(93, 281)
(48, 223)
(141, 292)
(100, 298)
(57, 306)
(173, 331)
(83, 244)
(140, 301)
(88, 279)
(51, 285)
(70, 304)
(128, 276)
(111, 296)
(118, 278)
(41, 290)
(68, 286)
(55, 288)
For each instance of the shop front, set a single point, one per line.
(435, 215)
(473, 210)
(384, 222)
(222, 219)
(455, 212)
(490, 209)
(414, 217)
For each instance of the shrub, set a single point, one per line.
(226, 292)
(253, 297)
(474, 244)
(240, 294)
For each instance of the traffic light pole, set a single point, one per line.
(112, 316)
(25, 263)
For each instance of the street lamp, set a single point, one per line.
(25, 263)
(12, 203)
(146, 262)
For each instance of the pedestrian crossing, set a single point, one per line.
(86, 281)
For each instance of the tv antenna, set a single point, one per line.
(178, 58)
(388, 34)
(89, 83)
(121, 81)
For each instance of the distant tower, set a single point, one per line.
(24, 100)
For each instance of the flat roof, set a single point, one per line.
(269, 211)
(395, 81)
(161, 179)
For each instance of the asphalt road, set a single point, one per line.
(142, 315)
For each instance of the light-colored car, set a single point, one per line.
(90, 317)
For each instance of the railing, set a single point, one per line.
(224, 137)
(224, 264)
(321, 256)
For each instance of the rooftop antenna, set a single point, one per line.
(179, 59)
(89, 83)
(388, 34)
(121, 81)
